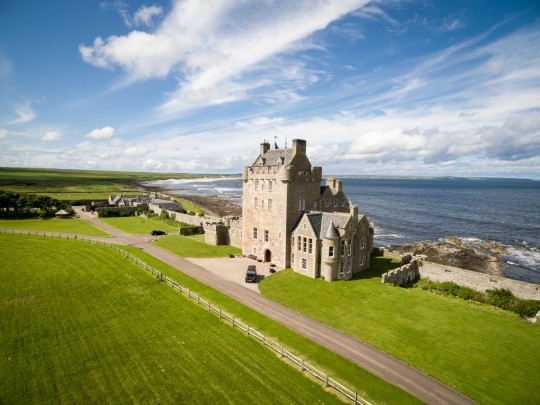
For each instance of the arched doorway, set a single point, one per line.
(267, 255)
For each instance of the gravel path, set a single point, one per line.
(373, 360)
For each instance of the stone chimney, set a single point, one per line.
(298, 147)
(335, 185)
(265, 146)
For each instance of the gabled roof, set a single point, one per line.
(326, 224)
(274, 157)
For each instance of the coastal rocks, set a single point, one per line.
(214, 205)
(469, 254)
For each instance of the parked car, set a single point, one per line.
(155, 233)
(251, 274)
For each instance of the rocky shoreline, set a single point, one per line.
(469, 254)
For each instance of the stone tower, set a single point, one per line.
(278, 188)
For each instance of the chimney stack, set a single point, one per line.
(298, 147)
(265, 146)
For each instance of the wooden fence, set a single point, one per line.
(283, 352)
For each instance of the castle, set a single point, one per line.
(290, 220)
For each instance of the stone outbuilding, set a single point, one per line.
(62, 214)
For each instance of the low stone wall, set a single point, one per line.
(403, 275)
(478, 281)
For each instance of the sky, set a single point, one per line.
(386, 87)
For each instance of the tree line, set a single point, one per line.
(12, 202)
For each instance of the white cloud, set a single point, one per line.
(101, 133)
(144, 15)
(3, 133)
(52, 136)
(214, 55)
(24, 112)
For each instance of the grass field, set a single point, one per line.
(81, 324)
(77, 184)
(139, 225)
(367, 385)
(193, 246)
(73, 225)
(486, 354)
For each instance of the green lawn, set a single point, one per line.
(79, 323)
(193, 246)
(486, 354)
(367, 385)
(139, 225)
(72, 225)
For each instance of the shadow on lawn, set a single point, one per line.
(379, 265)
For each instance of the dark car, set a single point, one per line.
(251, 274)
(155, 233)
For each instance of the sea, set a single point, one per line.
(405, 210)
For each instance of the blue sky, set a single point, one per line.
(376, 88)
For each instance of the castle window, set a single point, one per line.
(262, 204)
(301, 204)
(269, 204)
(341, 268)
(305, 243)
(254, 233)
(266, 235)
(343, 203)
(363, 244)
(304, 264)
(254, 250)
(255, 202)
(335, 202)
(310, 246)
(330, 251)
(299, 244)
(315, 204)
(256, 185)
(362, 261)
(292, 260)
(350, 249)
(270, 185)
(349, 268)
(342, 249)
(327, 203)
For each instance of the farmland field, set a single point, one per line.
(77, 184)
(98, 329)
(487, 354)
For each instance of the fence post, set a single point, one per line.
(281, 351)
(220, 313)
(355, 398)
(233, 321)
(326, 380)
(302, 367)
(248, 330)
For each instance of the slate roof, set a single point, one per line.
(274, 157)
(326, 224)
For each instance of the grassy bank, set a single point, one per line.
(72, 225)
(81, 324)
(486, 354)
(140, 225)
(188, 246)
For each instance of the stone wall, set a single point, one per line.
(402, 275)
(478, 281)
